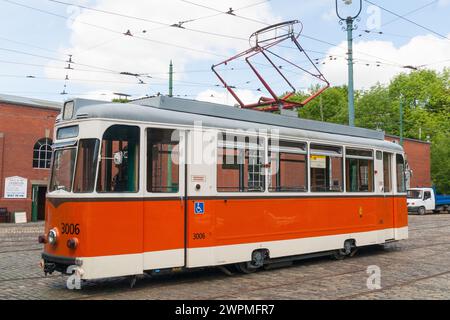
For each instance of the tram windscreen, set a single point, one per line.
(86, 166)
(62, 169)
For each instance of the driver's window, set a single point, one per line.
(119, 161)
(427, 195)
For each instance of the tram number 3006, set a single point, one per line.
(70, 228)
(199, 236)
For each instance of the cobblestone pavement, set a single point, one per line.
(417, 268)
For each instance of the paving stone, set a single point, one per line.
(417, 268)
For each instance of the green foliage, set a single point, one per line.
(425, 97)
(330, 106)
(440, 162)
(119, 100)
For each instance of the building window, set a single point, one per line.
(240, 164)
(401, 171)
(162, 160)
(359, 169)
(42, 153)
(326, 168)
(288, 167)
(119, 163)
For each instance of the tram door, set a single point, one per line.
(388, 191)
(164, 205)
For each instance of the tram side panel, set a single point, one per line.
(109, 234)
(230, 229)
(401, 218)
(163, 233)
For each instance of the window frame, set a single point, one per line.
(391, 176)
(97, 156)
(242, 142)
(74, 147)
(287, 150)
(360, 157)
(181, 165)
(137, 169)
(326, 153)
(43, 142)
(403, 175)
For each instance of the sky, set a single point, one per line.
(60, 49)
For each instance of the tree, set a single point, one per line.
(426, 112)
(376, 110)
(120, 100)
(330, 106)
(440, 162)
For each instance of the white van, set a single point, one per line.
(423, 200)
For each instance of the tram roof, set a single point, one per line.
(165, 109)
(229, 112)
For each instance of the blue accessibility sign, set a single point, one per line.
(199, 207)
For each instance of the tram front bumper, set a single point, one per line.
(51, 263)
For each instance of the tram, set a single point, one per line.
(165, 183)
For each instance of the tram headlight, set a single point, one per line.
(72, 243)
(52, 236)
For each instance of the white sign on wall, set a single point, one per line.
(20, 217)
(16, 188)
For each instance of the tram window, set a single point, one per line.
(119, 163)
(387, 171)
(162, 160)
(359, 170)
(62, 169)
(86, 166)
(240, 164)
(288, 167)
(326, 168)
(401, 179)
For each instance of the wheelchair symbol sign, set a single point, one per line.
(199, 207)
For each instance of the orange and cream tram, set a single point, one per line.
(167, 183)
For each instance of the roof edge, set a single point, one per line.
(232, 113)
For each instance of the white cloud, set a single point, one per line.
(223, 97)
(419, 51)
(329, 15)
(102, 95)
(94, 46)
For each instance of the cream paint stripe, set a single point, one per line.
(131, 264)
(242, 252)
(163, 259)
(111, 266)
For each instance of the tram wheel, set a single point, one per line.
(339, 254)
(245, 267)
(349, 250)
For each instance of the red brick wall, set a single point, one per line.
(418, 154)
(21, 127)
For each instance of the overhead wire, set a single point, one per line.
(408, 20)
(230, 12)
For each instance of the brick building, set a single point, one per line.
(26, 134)
(418, 155)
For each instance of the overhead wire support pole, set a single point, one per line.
(349, 28)
(351, 101)
(401, 119)
(171, 79)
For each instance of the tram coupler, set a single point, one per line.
(49, 267)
